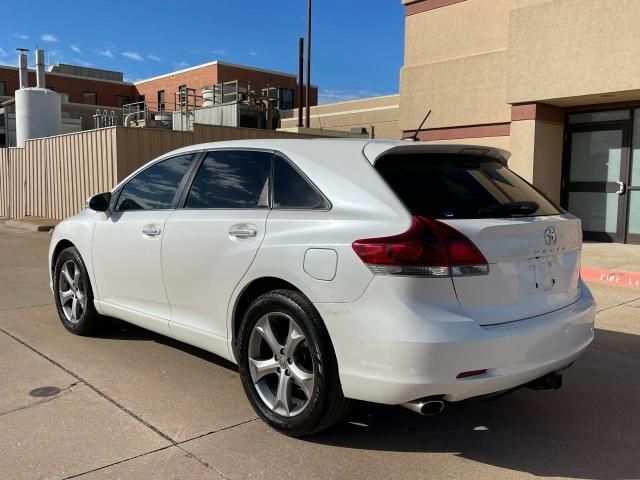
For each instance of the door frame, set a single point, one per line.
(621, 235)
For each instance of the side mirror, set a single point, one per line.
(99, 202)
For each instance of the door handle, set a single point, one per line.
(621, 188)
(243, 231)
(151, 230)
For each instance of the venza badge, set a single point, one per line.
(551, 236)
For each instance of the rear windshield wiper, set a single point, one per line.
(511, 208)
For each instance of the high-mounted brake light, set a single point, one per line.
(429, 248)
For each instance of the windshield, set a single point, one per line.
(461, 186)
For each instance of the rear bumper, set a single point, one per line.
(390, 351)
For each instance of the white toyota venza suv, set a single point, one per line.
(333, 270)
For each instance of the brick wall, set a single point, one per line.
(107, 92)
(217, 73)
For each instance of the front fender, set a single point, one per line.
(78, 231)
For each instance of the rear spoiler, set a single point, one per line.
(374, 150)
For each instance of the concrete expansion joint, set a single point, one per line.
(80, 380)
(25, 307)
(620, 305)
(58, 395)
(92, 387)
(118, 462)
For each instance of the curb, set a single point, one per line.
(31, 226)
(614, 278)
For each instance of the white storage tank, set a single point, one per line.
(38, 110)
(207, 97)
(38, 114)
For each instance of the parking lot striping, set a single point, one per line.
(616, 278)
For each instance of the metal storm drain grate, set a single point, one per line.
(44, 392)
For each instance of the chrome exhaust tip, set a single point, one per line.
(425, 406)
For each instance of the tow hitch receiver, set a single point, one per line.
(551, 381)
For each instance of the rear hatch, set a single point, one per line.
(531, 245)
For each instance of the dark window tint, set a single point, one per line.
(156, 186)
(122, 100)
(461, 186)
(90, 98)
(231, 179)
(3, 88)
(291, 190)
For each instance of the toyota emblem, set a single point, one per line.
(550, 235)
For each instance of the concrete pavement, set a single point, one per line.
(131, 404)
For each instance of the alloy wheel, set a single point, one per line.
(281, 364)
(72, 291)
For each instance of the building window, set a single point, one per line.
(160, 100)
(122, 100)
(3, 89)
(90, 98)
(183, 94)
(281, 98)
(286, 99)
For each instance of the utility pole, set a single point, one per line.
(308, 110)
(300, 82)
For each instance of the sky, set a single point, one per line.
(357, 44)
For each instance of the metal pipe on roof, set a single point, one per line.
(308, 111)
(40, 81)
(300, 81)
(23, 74)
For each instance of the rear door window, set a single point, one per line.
(231, 179)
(461, 186)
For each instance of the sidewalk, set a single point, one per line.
(613, 264)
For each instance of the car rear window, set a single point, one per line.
(461, 186)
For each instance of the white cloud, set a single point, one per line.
(105, 53)
(336, 95)
(3, 53)
(21, 36)
(181, 64)
(132, 56)
(219, 52)
(253, 54)
(82, 63)
(153, 57)
(49, 38)
(75, 48)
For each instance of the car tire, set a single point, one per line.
(270, 382)
(73, 293)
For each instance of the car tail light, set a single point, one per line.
(429, 248)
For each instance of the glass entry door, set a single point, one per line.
(596, 180)
(633, 185)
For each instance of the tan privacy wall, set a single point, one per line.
(52, 177)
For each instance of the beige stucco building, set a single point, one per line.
(378, 116)
(556, 82)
